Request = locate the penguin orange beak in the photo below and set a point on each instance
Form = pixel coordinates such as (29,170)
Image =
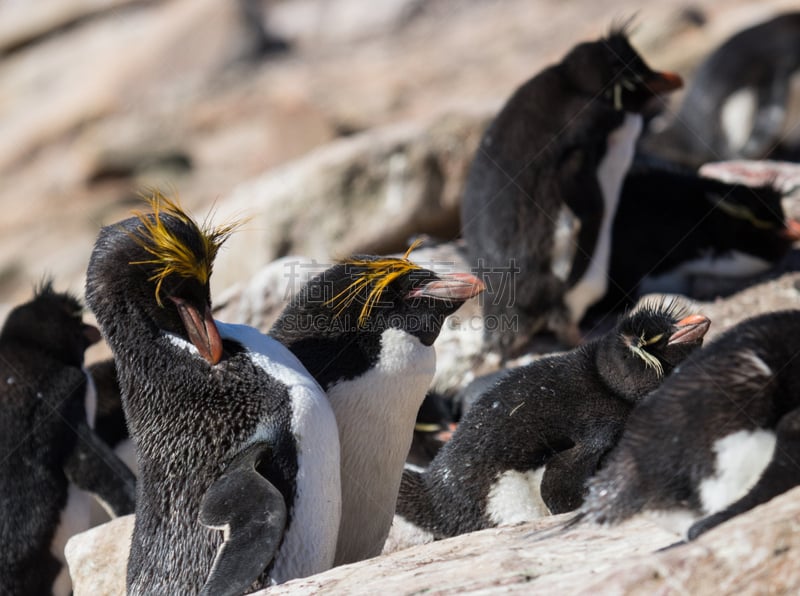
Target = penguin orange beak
(662,82)
(454,286)
(791,230)
(201,329)
(691,329)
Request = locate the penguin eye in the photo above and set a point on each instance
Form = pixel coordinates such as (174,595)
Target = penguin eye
(741,212)
(653,340)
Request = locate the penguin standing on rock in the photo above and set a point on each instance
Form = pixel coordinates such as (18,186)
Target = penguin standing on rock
(720,436)
(527,446)
(365,329)
(47,447)
(541,194)
(236,444)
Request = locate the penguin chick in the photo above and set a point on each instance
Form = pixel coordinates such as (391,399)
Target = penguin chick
(720,436)
(527,446)
(365,329)
(236,444)
(672,225)
(47,447)
(543,187)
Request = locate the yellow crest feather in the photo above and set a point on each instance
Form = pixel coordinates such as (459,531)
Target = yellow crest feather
(171,255)
(376,275)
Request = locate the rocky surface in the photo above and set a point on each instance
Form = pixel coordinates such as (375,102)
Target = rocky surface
(753,554)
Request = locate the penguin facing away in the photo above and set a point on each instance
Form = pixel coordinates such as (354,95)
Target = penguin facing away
(705,227)
(543,187)
(47,447)
(236,444)
(527,446)
(739,103)
(720,436)
(365,330)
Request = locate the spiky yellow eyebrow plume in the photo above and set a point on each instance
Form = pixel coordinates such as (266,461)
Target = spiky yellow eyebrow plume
(171,255)
(376,275)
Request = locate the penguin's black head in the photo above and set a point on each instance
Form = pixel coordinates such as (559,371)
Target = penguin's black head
(366,295)
(646,345)
(161,262)
(612,69)
(51,322)
(754,218)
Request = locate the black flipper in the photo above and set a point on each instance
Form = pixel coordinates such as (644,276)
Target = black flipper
(94,467)
(779,476)
(253,512)
(565,476)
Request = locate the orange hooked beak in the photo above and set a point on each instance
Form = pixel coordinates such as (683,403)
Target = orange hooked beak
(201,329)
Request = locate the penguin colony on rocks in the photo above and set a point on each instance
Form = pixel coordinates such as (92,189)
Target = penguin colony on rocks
(263,458)
(527,446)
(543,188)
(49,453)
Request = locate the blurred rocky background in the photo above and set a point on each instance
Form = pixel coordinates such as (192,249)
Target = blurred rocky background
(331,126)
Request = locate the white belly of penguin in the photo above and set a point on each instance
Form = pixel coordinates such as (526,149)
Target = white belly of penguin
(741,458)
(376,414)
(516,497)
(611,174)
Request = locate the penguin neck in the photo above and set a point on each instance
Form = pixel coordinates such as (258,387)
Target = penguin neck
(375,413)
(620,148)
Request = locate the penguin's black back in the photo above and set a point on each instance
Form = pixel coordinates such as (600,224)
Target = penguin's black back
(42,391)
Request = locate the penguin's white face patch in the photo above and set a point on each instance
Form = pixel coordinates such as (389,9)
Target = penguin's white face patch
(740,460)
(610,175)
(516,497)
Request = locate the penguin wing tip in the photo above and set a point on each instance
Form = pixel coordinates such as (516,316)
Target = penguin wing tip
(253,514)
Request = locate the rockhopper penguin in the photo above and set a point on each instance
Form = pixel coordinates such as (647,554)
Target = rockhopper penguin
(236,444)
(720,436)
(527,446)
(47,447)
(674,225)
(543,188)
(365,328)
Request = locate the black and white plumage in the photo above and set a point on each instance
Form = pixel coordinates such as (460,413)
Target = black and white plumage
(543,187)
(673,226)
(740,101)
(527,446)
(720,436)
(365,329)
(48,451)
(236,444)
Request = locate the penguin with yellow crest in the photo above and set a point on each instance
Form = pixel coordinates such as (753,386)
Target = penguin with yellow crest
(236,443)
(364,329)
